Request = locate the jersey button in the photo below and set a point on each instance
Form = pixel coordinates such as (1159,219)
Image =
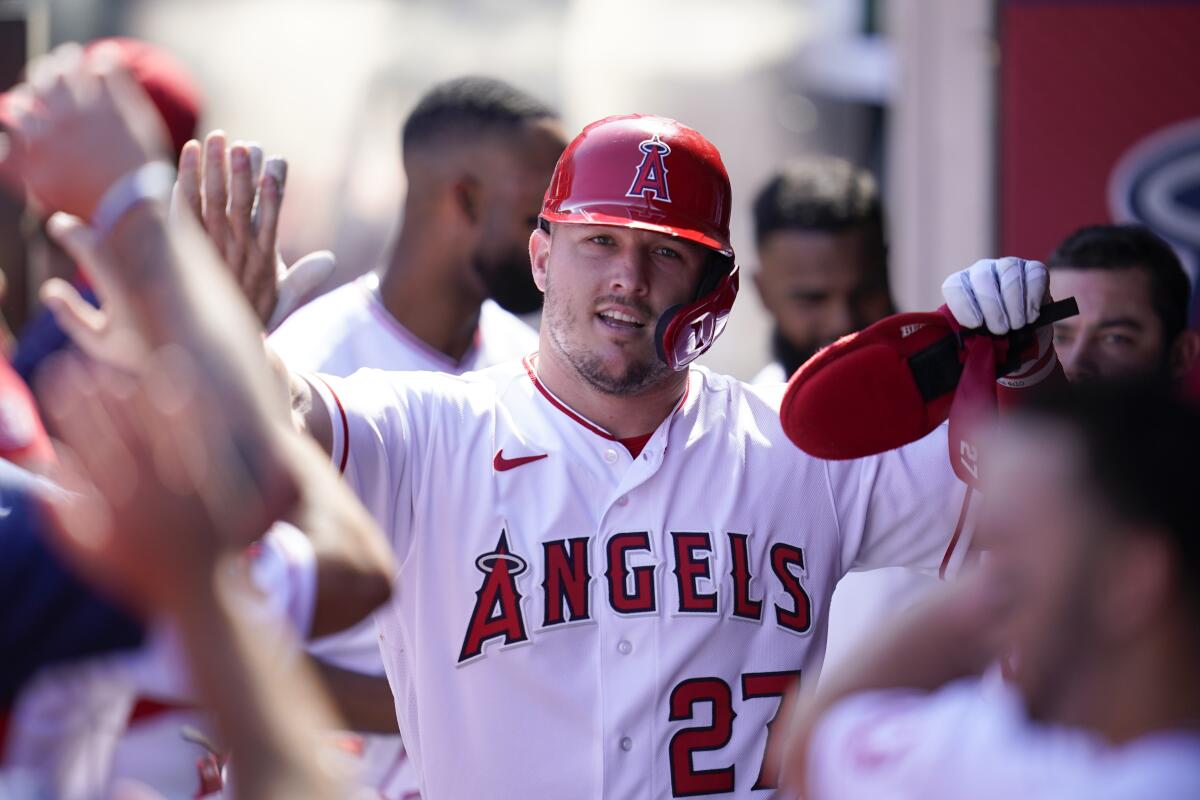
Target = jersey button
(610,456)
(626,743)
(623,500)
(624,647)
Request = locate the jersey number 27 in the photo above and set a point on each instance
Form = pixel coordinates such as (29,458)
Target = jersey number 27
(686,780)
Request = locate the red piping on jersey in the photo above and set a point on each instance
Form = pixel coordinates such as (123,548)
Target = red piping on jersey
(570,412)
(149,708)
(380,310)
(345,425)
(958,529)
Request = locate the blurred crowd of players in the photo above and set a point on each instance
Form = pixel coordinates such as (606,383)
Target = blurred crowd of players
(1092,570)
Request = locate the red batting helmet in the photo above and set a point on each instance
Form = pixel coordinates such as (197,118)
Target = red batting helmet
(655,174)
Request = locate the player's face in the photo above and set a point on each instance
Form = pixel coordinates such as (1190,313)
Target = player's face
(820,286)
(1117,333)
(515,192)
(606,288)
(1040,529)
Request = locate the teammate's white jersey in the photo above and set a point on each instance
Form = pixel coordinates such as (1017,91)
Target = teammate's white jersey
(76,726)
(973,739)
(572,620)
(349,329)
(338,334)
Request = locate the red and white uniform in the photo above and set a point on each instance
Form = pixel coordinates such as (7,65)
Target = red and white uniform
(575,619)
(863,600)
(337,334)
(973,739)
(81,726)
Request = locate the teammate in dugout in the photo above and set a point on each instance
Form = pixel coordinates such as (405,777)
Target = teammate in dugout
(612,564)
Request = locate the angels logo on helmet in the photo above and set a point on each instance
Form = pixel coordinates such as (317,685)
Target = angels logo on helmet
(650,178)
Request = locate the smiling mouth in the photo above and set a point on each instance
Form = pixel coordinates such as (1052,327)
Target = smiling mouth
(619,320)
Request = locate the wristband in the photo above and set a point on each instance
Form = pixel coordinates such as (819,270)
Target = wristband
(151,181)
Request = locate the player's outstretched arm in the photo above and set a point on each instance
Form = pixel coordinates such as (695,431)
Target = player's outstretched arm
(149,516)
(951,635)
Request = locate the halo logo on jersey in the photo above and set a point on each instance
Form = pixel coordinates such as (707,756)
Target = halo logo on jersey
(498,602)
(650,179)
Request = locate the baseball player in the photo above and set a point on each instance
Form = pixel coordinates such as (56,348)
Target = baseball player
(612,564)
(1089,585)
(429,309)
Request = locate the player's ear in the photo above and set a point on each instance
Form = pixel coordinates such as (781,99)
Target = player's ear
(467,191)
(762,292)
(539,255)
(1185,351)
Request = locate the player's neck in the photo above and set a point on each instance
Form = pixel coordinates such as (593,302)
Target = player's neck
(623,416)
(1142,689)
(413,290)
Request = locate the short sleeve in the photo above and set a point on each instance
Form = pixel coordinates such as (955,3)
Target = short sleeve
(970,738)
(379,431)
(903,508)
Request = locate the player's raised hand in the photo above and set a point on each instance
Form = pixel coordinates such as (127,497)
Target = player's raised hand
(104,334)
(237,198)
(158,486)
(1003,294)
(72,109)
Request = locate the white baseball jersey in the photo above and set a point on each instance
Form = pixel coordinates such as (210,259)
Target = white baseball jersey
(572,619)
(863,600)
(973,739)
(75,724)
(349,329)
(337,334)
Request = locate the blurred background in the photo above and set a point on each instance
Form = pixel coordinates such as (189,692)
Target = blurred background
(994,126)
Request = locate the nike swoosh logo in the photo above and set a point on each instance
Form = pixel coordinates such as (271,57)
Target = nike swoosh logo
(503,464)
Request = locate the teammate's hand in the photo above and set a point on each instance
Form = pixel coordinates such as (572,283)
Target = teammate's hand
(83,124)
(157,488)
(237,198)
(104,334)
(1003,294)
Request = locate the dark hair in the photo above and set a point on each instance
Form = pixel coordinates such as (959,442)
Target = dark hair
(1128,247)
(819,193)
(470,106)
(1140,444)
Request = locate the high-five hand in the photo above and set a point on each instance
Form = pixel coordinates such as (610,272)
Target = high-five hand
(237,198)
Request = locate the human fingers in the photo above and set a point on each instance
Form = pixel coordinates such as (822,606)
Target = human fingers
(215,196)
(241,193)
(270,201)
(186,194)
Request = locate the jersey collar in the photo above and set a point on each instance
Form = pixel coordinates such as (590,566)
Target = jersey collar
(530,362)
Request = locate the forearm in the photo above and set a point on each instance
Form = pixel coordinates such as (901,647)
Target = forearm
(950,636)
(365,702)
(354,562)
(269,708)
(178,294)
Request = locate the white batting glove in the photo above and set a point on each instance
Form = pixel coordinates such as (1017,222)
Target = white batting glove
(1003,294)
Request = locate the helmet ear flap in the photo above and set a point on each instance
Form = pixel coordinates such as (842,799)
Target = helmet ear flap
(660,333)
(684,332)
